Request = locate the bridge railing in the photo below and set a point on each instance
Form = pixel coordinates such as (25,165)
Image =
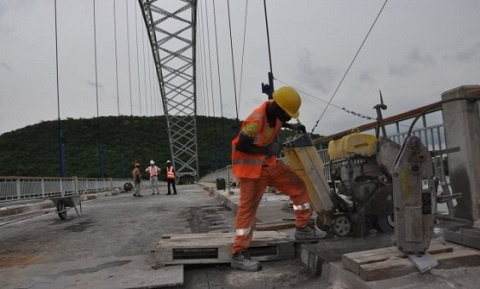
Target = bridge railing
(24,188)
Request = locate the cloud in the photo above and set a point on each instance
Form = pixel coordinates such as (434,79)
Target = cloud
(469,53)
(4,66)
(3,8)
(367,76)
(415,60)
(316,76)
(92,83)
(401,70)
(415,56)
(7,8)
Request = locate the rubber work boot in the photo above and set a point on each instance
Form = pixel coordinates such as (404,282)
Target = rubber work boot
(242,261)
(308,234)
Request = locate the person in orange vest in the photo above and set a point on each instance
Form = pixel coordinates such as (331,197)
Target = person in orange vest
(137,178)
(171,178)
(153,171)
(255,165)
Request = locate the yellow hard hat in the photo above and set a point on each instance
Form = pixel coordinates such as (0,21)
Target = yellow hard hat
(288,99)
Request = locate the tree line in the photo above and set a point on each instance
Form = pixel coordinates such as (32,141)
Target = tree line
(119,140)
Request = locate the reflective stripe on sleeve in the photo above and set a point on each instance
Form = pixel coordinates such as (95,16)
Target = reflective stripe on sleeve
(244,231)
(242,161)
(301,207)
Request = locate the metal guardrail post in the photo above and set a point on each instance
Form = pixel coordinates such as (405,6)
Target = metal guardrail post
(61,187)
(75,185)
(19,191)
(42,184)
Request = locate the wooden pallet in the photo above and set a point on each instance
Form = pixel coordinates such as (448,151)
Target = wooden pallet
(211,248)
(390,262)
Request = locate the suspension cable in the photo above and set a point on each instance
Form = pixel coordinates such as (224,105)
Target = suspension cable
(204,72)
(268,36)
(144,72)
(152,98)
(218,60)
(138,63)
(56,64)
(203,59)
(233,62)
(61,151)
(350,66)
(116,55)
(129,61)
(224,158)
(95,54)
(214,139)
(99,142)
(243,55)
(210,62)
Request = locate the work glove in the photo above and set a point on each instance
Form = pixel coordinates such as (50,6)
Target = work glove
(273,149)
(298,127)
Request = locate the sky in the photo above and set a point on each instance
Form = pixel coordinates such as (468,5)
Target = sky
(415,51)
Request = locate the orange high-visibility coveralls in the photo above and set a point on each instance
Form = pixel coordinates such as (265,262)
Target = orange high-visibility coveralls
(255,172)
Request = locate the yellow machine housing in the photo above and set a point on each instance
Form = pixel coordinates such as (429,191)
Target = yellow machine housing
(355,144)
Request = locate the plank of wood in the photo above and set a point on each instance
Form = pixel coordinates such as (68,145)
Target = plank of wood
(353,261)
(396,267)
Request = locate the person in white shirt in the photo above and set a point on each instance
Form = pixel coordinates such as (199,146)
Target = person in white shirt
(153,170)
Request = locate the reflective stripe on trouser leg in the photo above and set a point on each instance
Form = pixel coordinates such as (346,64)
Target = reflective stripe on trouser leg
(301,207)
(302,214)
(288,182)
(251,191)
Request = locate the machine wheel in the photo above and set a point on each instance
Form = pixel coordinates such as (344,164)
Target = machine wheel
(320,225)
(61,210)
(127,187)
(385,223)
(341,225)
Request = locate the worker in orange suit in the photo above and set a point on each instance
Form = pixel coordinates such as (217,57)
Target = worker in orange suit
(255,165)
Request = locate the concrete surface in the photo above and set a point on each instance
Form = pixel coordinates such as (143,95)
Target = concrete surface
(139,222)
(106,272)
(112,245)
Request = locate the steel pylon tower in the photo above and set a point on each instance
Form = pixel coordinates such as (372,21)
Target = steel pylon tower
(171,26)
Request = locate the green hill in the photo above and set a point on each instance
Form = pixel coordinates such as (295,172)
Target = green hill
(33,150)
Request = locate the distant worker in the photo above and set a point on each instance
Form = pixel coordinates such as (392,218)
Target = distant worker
(153,171)
(171,178)
(255,165)
(137,178)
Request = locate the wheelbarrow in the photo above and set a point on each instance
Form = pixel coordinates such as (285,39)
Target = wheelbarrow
(63,203)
